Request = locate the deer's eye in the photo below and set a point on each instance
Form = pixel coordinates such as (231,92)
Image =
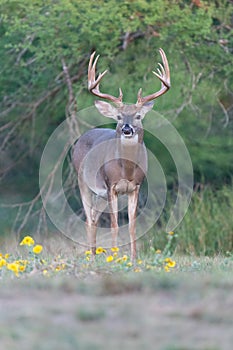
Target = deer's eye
(119,117)
(138,116)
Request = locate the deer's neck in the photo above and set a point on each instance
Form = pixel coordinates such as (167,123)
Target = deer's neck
(129,153)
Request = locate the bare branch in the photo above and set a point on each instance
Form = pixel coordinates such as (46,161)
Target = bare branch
(71,108)
(29,39)
(224,112)
(6,126)
(26,210)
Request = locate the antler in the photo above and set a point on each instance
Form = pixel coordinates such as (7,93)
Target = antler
(163,75)
(93,83)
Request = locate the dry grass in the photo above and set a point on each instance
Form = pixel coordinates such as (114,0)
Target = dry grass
(189,308)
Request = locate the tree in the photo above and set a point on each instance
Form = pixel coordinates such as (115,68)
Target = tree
(45,47)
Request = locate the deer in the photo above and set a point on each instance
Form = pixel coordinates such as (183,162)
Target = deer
(110,162)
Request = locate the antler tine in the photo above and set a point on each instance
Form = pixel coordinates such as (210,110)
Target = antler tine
(161,70)
(93,83)
(90,70)
(166,66)
(165,76)
(163,73)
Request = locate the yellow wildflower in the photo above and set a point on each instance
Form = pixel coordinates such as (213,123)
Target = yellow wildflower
(158,251)
(45,272)
(87,258)
(27,240)
(115,255)
(37,249)
(100,250)
(13,267)
(22,268)
(2,262)
(166,268)
(119,260)
(6,256)
(109,258)
(171,263)
(137,269)
(171,233)
(88,252)
(139,261)
(124,257)
(115,249)
(60,267)
(129,264)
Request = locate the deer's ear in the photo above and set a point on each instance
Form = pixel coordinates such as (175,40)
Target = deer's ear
(146,108)
(106,109)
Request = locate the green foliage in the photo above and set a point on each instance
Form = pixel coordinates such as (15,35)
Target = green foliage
(36,36)
(207,228)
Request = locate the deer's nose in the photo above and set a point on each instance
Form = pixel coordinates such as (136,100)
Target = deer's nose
(127,130)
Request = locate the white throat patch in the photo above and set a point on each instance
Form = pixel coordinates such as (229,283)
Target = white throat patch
(129,140)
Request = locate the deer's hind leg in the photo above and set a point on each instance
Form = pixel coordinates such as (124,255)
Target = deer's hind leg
(113,205)
(93,205)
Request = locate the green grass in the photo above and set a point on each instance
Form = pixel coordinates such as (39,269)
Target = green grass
(207,228)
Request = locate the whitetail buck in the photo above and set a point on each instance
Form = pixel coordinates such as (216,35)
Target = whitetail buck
(112,162)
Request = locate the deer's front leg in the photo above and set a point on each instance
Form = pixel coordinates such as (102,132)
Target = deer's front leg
(113,206)
(91,236)
(132,212)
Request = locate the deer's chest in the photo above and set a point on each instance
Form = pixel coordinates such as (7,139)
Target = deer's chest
(124,176)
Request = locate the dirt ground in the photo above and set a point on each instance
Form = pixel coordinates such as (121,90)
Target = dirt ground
(143,311)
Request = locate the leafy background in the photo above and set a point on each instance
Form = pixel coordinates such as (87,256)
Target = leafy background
(39,39)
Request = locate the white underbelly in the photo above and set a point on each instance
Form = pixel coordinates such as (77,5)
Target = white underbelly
(100,192)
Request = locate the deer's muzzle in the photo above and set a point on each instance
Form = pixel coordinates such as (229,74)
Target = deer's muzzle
(127,130)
